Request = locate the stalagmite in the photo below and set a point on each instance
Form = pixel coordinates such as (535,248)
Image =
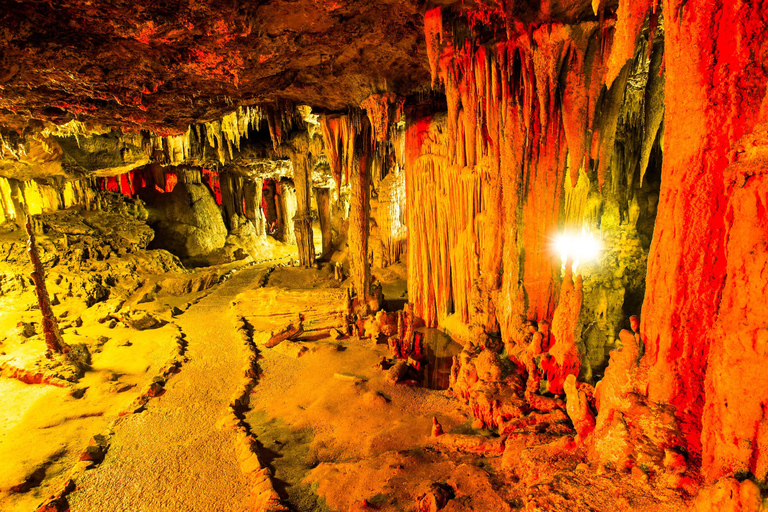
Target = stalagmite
(286,210)
(53,338)
(578,408)
(565,323)
(252,201)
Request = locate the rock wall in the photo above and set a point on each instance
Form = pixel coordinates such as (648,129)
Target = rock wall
(704,316)
(43,197)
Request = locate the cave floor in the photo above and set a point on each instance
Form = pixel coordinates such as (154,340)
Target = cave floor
(333,432)
(172,456)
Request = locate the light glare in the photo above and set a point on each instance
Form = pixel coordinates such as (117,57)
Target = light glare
(580,248)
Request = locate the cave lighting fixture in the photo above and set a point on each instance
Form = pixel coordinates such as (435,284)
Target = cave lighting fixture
(581,248)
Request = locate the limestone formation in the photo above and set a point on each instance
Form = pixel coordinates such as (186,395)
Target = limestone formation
(187,221)
(556,209)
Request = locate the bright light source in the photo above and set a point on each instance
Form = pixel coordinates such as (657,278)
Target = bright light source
(580,248)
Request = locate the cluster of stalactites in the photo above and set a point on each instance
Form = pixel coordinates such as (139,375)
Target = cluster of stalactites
(568,71)
(513,110)
(339,133)
(15,146)
(223,135)
(382,110)
(377,138)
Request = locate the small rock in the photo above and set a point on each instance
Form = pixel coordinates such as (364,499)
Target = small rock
(348,377)
(638,474)
(142,320)
(436,499)
(146,297)
(94,453)
(336,334)
(120,387)
(77,391)
(397,372)
(376,399)
(155,389)
(437,429)
(26,329)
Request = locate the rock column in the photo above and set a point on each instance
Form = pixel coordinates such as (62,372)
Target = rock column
(302,221)
(323,198)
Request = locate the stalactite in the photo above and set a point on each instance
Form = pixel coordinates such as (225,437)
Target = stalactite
(576,99)
(654,106)
(607,122)
(331,128)
(631,17)
(381,110)
(433,30)
(339,133)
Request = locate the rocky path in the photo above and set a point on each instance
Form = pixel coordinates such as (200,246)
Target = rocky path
(171,456)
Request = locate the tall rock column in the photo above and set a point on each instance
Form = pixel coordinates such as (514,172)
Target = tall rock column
(323,198)
(359,213)
(703,321)
(302,221)
(286,209)
(252,194)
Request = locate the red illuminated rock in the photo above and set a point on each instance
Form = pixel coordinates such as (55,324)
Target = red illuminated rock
(578,408)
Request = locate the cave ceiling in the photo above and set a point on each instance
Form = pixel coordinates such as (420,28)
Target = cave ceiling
(163,65)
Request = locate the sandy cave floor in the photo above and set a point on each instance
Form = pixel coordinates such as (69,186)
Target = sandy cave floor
(334,433)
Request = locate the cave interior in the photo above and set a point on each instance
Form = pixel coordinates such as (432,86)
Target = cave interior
(319,255)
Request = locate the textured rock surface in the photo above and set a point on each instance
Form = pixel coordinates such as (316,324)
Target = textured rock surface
(187,221)
(167,65)
(702,316)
